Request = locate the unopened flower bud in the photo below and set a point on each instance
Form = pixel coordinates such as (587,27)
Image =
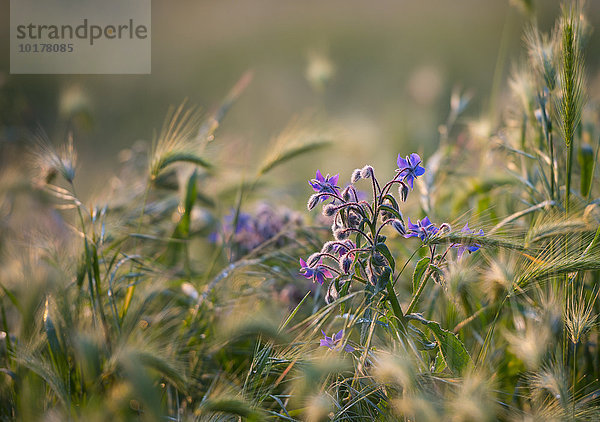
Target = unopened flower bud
(312,202)
(353,220)
(366,172)
(345,263)
(341,234)
(335,226)
(403,192)
(313,259)
(329,210)
(328,247)
(399,226)
(356,176)
(346,194)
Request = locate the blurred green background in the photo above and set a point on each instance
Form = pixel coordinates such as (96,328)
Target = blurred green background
(390,67)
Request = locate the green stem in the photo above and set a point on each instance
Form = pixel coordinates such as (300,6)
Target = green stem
(93,273)
(131,288)
(417,295)
(569,170)
(574,378)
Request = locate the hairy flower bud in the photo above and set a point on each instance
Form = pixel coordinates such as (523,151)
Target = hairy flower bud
(341,234)
(345,263)
(356,176)
(346,193)
(335,226)
(403,192)
(329,210)
(353,219)
(313,259)
(328,247)
(366,172)
(312,202)
(399,226)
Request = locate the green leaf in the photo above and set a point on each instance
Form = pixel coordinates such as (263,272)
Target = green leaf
(343,292)
(419,271)
(452,350)
(385,251)
(436,273)
(391,211)
(422,342)
(439,364)
(293,313)
(393,201)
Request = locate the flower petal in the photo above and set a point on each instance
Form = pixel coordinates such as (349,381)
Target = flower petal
(402,163)
(414,159)
(326,343)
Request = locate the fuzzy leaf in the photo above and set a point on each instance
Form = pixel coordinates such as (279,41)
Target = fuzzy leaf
(385,251)
(452,350)
(391,210)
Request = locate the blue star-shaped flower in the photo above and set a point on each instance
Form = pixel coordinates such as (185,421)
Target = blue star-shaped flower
(409,168)
(335,342)
(327,184)
(423,229)
(470,248)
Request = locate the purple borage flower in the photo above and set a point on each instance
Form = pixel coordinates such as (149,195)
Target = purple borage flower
(335,342)
(244,224)
(470,248)
(409,168)
(327,184)
(318,273)
(423,229)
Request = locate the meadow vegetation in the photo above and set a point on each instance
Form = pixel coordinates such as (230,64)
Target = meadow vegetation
(463,286)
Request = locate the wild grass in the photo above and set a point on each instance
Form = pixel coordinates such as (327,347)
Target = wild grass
(177,296)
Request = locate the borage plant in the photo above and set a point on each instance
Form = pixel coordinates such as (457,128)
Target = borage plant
(359,252)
